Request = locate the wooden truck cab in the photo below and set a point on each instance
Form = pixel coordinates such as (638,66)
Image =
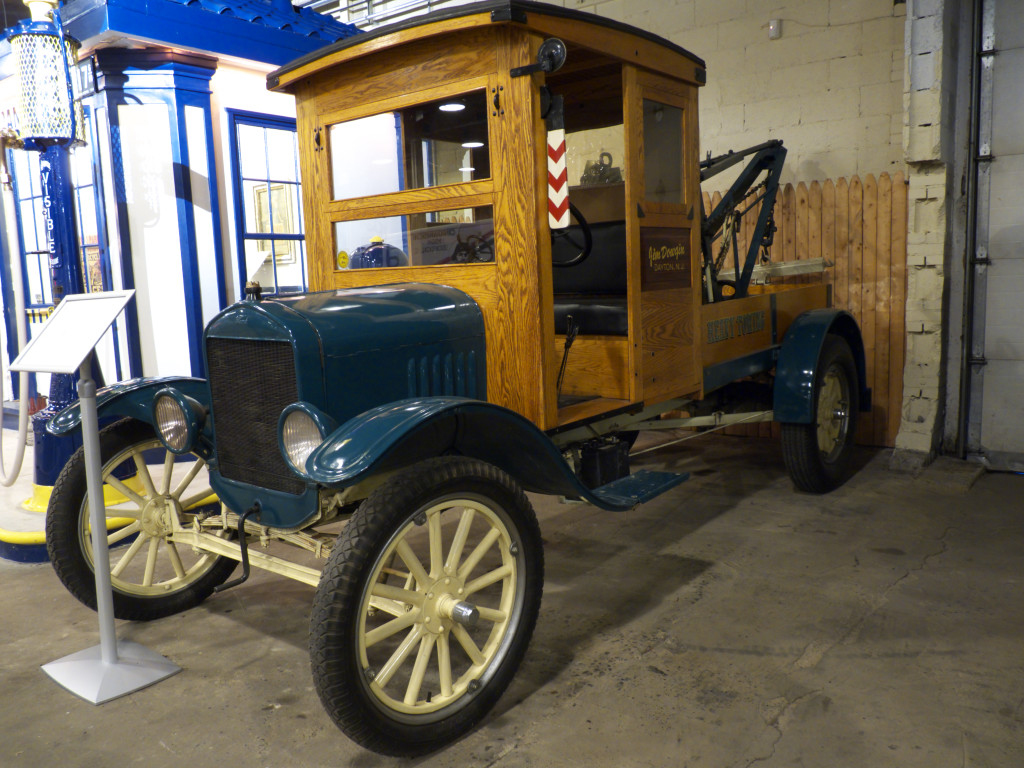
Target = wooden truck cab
(382,158)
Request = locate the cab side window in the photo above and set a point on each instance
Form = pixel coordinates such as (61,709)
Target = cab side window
(443,142)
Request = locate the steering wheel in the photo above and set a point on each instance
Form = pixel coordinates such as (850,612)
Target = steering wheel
(584,247)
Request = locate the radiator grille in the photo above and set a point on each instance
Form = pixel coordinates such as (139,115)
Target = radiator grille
(251,382)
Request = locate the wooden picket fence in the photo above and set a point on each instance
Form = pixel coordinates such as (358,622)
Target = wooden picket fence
(860,228)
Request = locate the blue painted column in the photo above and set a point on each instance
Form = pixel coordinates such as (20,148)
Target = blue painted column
(52,452)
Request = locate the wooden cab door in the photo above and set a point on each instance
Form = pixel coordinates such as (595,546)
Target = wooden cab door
(662,189)
(455,200)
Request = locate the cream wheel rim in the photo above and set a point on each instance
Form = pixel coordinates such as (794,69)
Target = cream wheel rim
(415,655)
(833,412)
(149,506)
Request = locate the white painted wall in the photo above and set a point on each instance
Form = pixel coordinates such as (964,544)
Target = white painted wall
(155,239)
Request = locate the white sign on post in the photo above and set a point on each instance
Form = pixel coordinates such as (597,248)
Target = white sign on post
(69,335)
(64,345)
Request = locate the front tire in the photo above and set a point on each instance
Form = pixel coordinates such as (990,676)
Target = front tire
(146,492)
(818,454)
(395,661)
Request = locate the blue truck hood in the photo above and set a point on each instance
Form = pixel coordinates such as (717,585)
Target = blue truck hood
(357,320)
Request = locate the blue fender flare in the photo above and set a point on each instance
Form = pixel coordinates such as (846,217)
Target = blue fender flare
(402,433)
(130,398)
(798,360)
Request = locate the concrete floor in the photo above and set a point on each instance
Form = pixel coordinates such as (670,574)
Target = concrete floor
(731,622)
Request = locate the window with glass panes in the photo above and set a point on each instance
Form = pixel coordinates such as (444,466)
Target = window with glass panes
(32,226)
(268,202)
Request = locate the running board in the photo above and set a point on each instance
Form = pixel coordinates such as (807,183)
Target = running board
(639,487)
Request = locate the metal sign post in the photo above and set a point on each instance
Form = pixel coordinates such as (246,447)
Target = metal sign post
(65,344)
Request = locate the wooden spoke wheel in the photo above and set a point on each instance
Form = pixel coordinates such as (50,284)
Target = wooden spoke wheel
(147,491)
(426,606)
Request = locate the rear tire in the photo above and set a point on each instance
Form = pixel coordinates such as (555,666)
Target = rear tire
(818,454)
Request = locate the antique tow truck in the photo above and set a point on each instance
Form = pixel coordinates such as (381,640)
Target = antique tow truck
(511,273)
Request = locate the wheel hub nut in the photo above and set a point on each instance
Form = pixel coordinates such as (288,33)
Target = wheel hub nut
(465,614)
(460,611)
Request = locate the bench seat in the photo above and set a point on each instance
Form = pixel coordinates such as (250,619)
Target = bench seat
(594,315)
(594,291)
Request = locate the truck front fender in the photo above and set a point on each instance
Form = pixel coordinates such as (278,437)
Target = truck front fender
(798,361)
(401,433)
(130,398)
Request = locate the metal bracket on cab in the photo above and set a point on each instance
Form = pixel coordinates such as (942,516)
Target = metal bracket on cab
(550,58)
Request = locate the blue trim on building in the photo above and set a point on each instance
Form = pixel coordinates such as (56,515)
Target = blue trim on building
(266,31)
(218,250)
(120,202)
(177,81)
(101,234)
(187,234)
(256,30)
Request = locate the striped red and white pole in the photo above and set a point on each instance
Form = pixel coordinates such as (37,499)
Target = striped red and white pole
(558,181)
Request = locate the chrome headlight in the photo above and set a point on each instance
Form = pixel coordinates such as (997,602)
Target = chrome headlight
(178,419)
(302,429)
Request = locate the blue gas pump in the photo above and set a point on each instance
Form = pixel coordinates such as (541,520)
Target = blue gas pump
(50,121)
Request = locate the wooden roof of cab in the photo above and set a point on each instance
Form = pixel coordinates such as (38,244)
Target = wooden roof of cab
(577,29)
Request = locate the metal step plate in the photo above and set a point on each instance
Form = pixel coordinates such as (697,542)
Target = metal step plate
(641,486)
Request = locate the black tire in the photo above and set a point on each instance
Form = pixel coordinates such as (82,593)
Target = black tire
(818,454)
(69,543)
(427,503)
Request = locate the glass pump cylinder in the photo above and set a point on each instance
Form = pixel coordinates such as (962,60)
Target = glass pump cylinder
(47,111)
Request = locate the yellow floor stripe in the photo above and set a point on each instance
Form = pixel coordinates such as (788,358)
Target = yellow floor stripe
(111,496)
(25,538)
(40,500)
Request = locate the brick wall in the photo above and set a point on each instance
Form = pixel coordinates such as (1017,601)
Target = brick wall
(831,86)
(928,87)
